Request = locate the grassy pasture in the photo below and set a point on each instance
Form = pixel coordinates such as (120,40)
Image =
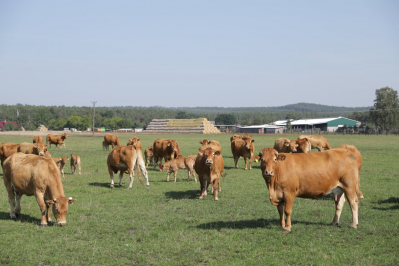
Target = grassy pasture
(166,224)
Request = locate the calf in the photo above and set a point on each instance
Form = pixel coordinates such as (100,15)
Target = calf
(179,163)
(243,147)
(105,146)
(60,162)
(75,161)
(149,156)
(209,166)
(28,174)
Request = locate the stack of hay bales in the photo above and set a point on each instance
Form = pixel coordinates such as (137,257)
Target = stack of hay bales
(200,125)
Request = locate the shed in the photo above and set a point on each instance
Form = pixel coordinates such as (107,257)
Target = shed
(330,124)
(261,129)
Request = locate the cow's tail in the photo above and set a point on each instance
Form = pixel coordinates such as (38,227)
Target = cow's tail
(140,162)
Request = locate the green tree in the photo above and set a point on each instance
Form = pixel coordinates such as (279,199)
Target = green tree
(10,127)
(78,122)
(385,113)
(57,124)
(225,119)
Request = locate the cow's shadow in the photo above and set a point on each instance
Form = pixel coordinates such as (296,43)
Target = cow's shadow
(177,195)
(107,185)
(391,200)
(245,224)
(21,218)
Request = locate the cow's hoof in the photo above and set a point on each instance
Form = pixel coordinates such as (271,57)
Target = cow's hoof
(17,214)
(201,198)
(112,186)
(120,185)
(216,199)
(129,187)
(49,221)
(13,217)
(43,225)
(148,186)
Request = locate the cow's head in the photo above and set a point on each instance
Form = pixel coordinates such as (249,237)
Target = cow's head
(204,142)
(40,149)
(173,144)
(135,141)
(269,158)
(210,154)
(293,145)
(64,136)
(248,142)
(60,208)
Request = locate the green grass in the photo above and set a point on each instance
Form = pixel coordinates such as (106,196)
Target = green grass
(166,224)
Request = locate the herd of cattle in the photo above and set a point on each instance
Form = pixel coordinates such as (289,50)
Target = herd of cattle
(289,170)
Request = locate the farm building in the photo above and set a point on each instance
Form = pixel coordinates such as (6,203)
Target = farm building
(200,125)
(331,124)
(261,129)
(3,123)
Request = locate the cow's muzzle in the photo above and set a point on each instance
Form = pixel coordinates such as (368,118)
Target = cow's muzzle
(268,173)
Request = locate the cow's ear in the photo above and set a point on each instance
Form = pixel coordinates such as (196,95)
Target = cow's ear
(260,154)
(253,140)
(217,153)
(200,142)
(71,200)
(281,157)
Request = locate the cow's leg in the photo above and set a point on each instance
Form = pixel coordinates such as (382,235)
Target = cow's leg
(111,175)
(215,188)
(120,178)
(167,178)
(354,204)
(339,205)
(236,160)
(280,208)
(48,217)
(250,162)
(42,206)
(141,164)
(189,174)
(72,171)
(155,161)
(203,187)
(175,173)
(11,199)
(62,172)
(287,210)
(245,160)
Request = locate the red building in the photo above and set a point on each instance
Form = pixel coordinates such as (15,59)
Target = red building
(3,123)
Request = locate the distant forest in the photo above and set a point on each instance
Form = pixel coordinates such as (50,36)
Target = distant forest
(59,117)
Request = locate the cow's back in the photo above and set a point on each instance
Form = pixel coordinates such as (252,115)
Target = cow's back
(38,139)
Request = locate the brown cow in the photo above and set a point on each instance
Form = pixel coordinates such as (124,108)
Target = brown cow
(105,146)
(75,161)
(243,147)
(179,163)
(38,139)
(300,145)
(28,174)
(209,166)
(29,148)
(282,145)
(111,140)
(6,150)
(311,175)
(56,139)
(60,162)
(135,141)
(149,156)
(317,142)
(165,149)
(124,158)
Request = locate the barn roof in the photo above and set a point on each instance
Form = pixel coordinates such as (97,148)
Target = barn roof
(3,123)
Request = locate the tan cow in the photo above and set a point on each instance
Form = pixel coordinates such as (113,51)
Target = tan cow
(125,158)
(282,145)
(311,175)
(300,145)
(60,162)
(135,141)
(149,156)
(75,161)
(29,148)
(38,139)
(105,146)
(56,139)
(6,150)
(165,149)
(209,166)
(317,142)
(111,140)
(29,174)
(179,163)
(243,147)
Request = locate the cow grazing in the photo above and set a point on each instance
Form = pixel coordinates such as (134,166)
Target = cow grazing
(111,140)
(125,158)
(75,161)
(300,145)
(56,139)
(149,156)
(317,142)
(6,150)
(38,139)
(29,148)
(105,146)
(282,145)
(209,166)
(165,149)
(179,163)
(60,162)
(28,174)
(311,175)
(243,147)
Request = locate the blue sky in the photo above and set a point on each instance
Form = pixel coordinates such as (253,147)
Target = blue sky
(197,53)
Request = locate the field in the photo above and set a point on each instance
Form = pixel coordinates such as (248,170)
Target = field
(167,224)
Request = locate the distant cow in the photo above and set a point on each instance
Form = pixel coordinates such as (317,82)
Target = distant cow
(210,142)
(38,139)
(135,141)
(29,148)
(125,158)
(209,166)
(111,140)
(149,156)
(6,150)
(317,142)
(243,147)
(179,163)
(28,174)
(105,146)
(56,139)
(60,162)
(300,145)
(282,145)
(311,175)
(165,149)
(75,161)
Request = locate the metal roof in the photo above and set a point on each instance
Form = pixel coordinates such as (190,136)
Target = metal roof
(310,121)
(262,126)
